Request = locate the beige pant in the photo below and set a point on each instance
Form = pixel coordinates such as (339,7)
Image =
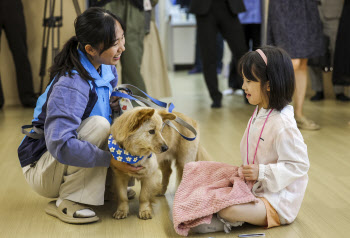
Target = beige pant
(52,179)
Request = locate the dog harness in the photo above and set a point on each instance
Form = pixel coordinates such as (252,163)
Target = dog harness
(121,154)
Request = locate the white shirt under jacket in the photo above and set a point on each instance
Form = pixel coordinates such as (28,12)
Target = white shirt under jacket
(282,158)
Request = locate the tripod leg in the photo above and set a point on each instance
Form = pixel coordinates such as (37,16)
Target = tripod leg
(46,36)
(2,100)
(77,8)
(55,49)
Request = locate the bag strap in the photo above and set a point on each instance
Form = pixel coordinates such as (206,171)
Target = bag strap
(35,133)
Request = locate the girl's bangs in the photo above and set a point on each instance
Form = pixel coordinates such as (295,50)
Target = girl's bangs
(247,67)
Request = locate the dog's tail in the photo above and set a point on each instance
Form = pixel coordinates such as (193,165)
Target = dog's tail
(202,154)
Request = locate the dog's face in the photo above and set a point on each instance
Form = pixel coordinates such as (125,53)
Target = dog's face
(139,130)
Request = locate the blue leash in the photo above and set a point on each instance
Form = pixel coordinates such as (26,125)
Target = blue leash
(154,103)
(135,98)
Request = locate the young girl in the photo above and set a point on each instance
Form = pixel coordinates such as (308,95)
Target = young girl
(273,151)
(67,155)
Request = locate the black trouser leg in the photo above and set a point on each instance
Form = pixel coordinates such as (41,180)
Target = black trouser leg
(251,32)
(234,77)
(232,31)
(220,49)
(2,101)
(207,31)
(197,61)
(220,53)
(15,29)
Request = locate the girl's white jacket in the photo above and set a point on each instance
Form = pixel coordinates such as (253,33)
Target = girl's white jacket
(282,158)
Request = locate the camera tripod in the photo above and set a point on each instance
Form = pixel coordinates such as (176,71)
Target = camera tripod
(50,24)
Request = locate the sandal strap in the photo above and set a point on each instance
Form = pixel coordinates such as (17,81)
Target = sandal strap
(305,123)
(71,207)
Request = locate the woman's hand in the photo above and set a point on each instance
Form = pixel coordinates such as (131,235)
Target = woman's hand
(114,102)
(124,167)
(251,172)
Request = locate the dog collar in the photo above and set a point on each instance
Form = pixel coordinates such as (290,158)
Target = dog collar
(121,154)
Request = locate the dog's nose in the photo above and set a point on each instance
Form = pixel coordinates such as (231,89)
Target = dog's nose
(164,148)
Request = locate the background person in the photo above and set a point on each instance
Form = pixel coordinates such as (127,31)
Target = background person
(132,13)
(215,16)
(251,23)
(13,22)
(295,26)
(341,73)
(330,11)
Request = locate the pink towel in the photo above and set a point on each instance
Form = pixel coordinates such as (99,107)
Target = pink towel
(206,188)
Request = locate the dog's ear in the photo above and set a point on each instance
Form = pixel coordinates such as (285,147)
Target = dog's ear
(140,117)
(167,115)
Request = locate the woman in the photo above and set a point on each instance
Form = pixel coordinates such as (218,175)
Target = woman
(67,155)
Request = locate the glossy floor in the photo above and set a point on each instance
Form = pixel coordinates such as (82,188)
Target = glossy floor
(325,211)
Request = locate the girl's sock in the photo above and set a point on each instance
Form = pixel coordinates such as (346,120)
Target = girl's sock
(214,226)
(85,213)
(229,225)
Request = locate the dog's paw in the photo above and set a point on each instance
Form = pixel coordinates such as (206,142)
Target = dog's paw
(145,214)
(120,214)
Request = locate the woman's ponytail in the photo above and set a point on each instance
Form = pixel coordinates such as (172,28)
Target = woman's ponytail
(94,27)
(67,60)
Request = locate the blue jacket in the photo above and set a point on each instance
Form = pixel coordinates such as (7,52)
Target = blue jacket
(252,15)
(60,110)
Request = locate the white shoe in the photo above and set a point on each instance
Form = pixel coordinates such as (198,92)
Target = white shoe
(228,91)
(239,92)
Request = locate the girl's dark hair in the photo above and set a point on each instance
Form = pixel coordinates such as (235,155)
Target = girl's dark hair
(95,26)
(278,72)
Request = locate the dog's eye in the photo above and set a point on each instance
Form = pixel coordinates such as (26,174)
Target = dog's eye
(152,132)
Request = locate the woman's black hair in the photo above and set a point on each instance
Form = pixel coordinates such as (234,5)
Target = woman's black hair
(96,27)
(278,72)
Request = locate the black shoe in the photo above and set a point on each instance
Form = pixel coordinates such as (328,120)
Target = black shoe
(195,70)
(29,102)
(342,97)
(318,96)
(216,104)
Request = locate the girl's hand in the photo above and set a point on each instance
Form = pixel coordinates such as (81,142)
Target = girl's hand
(124,167)
(251,172)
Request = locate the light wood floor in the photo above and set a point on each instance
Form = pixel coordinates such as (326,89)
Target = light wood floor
(325,211)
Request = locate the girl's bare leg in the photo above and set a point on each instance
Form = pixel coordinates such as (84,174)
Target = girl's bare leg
(253,213)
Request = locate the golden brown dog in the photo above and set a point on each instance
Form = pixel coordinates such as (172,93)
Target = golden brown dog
(139,132)
(180,151)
